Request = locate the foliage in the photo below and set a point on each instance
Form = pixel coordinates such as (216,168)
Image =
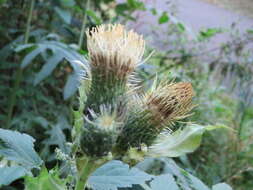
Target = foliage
(18,147)
(46,180)
(50,63)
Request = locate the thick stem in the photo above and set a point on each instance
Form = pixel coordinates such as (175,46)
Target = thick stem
(19,73)
(88,166)
(80,42)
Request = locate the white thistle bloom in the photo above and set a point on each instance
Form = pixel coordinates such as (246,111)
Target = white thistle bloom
(113,47)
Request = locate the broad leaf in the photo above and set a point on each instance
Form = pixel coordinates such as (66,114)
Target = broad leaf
(19,148)
(10,174)
(48,68)
(196,183)
(72,85)
(116,174)
(180,142)
(164,166)
(221,186)
(46,181)
(30,56)
(60,51)
(56,138)
(164,182)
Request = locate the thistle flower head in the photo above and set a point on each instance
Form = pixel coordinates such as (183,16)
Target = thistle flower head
(115,49)
(100,132)
(107,119)
(170,102)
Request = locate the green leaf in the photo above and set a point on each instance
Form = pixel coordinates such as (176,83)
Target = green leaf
(23,46)
(166,166)
(56,136)
(163,18)
(180,142)
(10,174)
(48,68)
(196,183)
(67,3)
(30,56)
(153,11)
(19,148)
(164,182)
(135,5)
(46,181)
(93,15)
(60,51)
(181,27)
(208,33)
(63,14)
(250,31)
(9,48)
(116,174)
(221,186)
(72,85)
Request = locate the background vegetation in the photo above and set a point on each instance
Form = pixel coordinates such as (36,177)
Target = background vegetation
(38,80)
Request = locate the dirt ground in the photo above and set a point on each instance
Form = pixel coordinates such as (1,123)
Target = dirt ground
(243,7)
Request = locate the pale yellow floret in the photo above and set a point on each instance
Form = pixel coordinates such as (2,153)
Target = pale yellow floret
(112,45)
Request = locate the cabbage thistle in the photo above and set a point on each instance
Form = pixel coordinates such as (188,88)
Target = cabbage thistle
(119,122)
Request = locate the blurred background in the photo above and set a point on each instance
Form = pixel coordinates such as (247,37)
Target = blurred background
(206,42)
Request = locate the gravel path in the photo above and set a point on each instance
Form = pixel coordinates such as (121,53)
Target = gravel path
(195,14)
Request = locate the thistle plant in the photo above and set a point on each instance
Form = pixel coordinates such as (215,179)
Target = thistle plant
(120,123)
(115,121)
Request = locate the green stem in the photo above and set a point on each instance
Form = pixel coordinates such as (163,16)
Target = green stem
(19,73)
(88,167)
(80,42)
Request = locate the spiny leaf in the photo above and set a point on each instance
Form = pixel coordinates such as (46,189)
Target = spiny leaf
(10,174)
(180,142)
(221,186)
(46,181)
(115,174)
(56,137)
(164,182)
(19,148)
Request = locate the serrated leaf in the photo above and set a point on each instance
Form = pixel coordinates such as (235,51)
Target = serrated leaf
(48,68)
(164,182)
(46,181)
(56,134)
(19,148)
(116,174)
(221,186)
(180,142)
(161,166)
(10,174)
